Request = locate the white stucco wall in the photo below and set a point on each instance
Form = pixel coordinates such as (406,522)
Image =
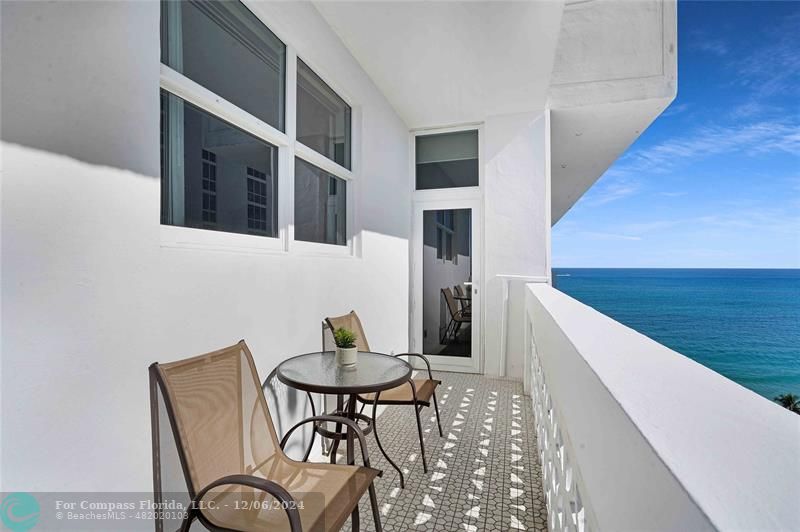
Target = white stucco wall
(90,293)
(516,229)
(654,440)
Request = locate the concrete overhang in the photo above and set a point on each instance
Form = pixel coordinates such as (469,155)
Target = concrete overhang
(615,72)
(605,68)
(446,63)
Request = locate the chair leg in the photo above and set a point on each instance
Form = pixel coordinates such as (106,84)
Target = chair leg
(438,421)
(355,519)
(373,501)
(378,440)
(419,427)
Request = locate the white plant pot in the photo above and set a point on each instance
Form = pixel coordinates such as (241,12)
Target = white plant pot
(346,356)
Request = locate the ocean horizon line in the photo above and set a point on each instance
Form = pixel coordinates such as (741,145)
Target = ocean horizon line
(672,268)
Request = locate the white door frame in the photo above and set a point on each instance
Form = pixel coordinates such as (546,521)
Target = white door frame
(449,199)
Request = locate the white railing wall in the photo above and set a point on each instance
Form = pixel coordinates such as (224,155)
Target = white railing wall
(634,436)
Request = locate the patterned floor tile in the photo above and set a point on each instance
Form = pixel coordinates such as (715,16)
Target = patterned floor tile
(483,475)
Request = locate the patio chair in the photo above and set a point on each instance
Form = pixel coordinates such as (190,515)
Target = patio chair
(465,303)
(457,316)
(418,393)
(230,454)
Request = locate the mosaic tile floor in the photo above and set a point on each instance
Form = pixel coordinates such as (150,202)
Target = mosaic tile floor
(483,475)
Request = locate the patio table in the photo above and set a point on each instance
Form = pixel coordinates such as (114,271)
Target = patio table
(319,373)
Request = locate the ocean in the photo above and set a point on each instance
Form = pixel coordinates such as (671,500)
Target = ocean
(744,324)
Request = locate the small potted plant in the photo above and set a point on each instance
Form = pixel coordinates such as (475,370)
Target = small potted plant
(346,350)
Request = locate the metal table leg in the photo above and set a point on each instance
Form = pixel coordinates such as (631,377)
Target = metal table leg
(351,411)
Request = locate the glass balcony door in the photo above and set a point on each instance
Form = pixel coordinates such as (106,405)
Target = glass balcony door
(446,291)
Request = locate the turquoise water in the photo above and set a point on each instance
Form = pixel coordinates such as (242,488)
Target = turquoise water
(744,324)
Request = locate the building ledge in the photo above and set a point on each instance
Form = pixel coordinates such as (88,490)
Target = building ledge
(654,439)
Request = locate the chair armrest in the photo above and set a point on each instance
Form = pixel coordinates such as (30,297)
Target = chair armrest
(334,419)
(276,490)
(424,359)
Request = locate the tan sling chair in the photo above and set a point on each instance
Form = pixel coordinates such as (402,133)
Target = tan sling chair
(457,317)
(417,392)
(236,472)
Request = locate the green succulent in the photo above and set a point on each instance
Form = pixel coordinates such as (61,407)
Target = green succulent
(344,338)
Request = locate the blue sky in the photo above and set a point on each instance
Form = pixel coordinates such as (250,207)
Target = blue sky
(715,180)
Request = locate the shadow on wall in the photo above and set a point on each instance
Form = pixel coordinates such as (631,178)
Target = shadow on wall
(90,95)
(94,96)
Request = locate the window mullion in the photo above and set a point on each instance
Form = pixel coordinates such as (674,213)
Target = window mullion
(287,154)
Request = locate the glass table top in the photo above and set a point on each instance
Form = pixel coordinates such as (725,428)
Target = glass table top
(318,372)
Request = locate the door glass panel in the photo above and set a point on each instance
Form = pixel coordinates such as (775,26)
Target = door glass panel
(447,282)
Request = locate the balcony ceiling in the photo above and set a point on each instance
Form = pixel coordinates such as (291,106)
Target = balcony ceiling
(443,63)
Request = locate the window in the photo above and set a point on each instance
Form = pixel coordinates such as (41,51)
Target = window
(323,118)
(447,160)
(258,221)
(320,201)
(226,49)
(209,213)
(215,176)
(445,228)
(221,174)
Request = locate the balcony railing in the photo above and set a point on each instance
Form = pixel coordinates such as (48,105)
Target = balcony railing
(634,436)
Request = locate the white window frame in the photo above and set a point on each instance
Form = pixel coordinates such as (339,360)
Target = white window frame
(448,198)
(434,194)
(176,83)
(312,156)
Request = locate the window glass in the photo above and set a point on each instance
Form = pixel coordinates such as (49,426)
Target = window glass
(320,205)
(225,48)
(213,175)
(323,118)
(447,160)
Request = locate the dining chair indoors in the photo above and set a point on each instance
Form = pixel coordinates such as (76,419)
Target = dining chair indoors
(212,406)
(463,300)
(457,316)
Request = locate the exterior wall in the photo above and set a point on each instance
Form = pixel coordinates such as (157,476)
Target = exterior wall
(516,230)
(91,291)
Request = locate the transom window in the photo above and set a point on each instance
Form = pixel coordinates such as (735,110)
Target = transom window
(447,160)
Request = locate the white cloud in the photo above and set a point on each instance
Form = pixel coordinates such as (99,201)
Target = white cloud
(753,139)
(675,109)
(713,46)
(607,236)
(774,67)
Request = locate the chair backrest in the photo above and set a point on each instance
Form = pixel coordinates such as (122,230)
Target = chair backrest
(218,415)
(350,322)
(451,302)
(459,290)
